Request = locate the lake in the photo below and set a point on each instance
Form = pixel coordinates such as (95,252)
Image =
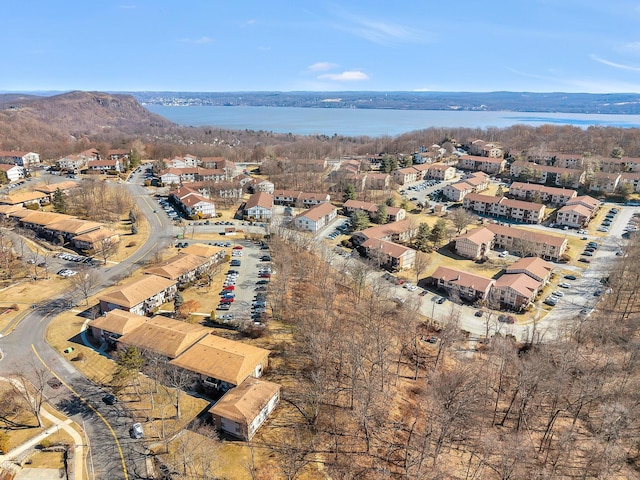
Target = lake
(373,123)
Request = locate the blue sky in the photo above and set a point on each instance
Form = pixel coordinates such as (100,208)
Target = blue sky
(376,45)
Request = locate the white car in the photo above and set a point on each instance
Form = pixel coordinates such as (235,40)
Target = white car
(558,293)
(411,288)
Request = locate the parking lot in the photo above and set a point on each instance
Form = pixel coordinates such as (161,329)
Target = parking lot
(243,297)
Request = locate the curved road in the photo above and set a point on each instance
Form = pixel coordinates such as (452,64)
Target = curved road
(113,454)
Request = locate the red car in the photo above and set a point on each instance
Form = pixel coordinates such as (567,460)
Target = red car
(265,275)
(229,288)
(226,300)
(238,247)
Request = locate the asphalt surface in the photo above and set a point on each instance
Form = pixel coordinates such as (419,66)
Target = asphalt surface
(114,455)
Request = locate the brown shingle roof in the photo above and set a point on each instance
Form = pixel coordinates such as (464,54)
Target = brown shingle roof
(118,321)
(462,279)
(137,291)
(176,266)
(223,359)
(245,402)
(165,336)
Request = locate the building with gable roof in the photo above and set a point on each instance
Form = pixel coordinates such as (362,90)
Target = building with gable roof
(222,363)
(13,172)
(316,218)
(141,296)
(259,206)
(242,410)
(465,285)
(165,336)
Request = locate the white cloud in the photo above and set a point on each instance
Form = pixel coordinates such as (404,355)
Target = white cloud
(380,32)
(631,47)
(249,23)
(197,41)
(622,66)
(348,76)
(322,66)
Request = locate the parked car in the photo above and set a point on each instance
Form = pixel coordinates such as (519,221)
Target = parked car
(441,300)
(584,260)
(570,277)
(224,306)
(558,293)
(136,431)
(479,313)
(109,399)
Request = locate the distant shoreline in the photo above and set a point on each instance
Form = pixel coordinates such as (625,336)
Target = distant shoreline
(371,122)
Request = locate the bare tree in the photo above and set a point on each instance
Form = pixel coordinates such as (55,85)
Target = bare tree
(85,282)
(421,264)
(31,390)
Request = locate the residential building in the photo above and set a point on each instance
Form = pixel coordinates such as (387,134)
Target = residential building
(104,165)
(535,267)
(403,176)
(398,232)
(474,183)
(575,216)
(72,163)
(222,363)
(20,158)
(182,268)
(13,172)
(527,242)
(604,182)
(490,165)
(94,240)
(466,286)
(188,161)
(516,210)
(633,179)
(296,198)
(516,290)
(532,172)
(193,203)
(394,214)
(25,198)
(50,189)
(119,154)
(541,193)
(261,185)
(377,181)
(475,244)
(242,410)
(141,296)
(164,336)
(389,255)
(259,206)
(442,172)
(578,211)
(316,217)
(113,324)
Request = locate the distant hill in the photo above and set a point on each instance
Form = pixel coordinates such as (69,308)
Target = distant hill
(609,103)
(28,121)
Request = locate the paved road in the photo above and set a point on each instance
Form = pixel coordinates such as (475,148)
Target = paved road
(114,454)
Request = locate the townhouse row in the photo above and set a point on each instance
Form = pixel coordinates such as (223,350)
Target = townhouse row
(517,288)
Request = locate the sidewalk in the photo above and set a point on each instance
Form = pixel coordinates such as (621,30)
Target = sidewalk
(78,457)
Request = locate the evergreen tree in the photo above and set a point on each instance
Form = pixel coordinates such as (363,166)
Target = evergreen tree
(438,232)
(135,159)
(390,202)
(421,241)
(359,220)
(381,214)
(59,201)
(349,192)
